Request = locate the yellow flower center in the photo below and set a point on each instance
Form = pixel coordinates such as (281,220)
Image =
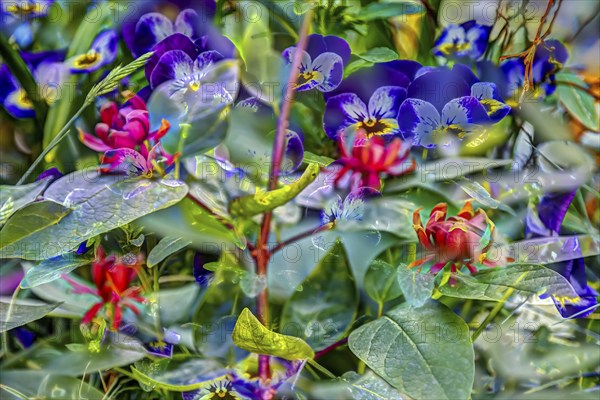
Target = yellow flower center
(87,59)
(24,8)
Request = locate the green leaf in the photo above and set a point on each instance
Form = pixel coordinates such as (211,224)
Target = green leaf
(576,100)
(379,54)
(41,385)
(53,268)
(261,202)
(21,314)
(13,198)
(249,334)
(182,377)
(424,352)
(324,321)
(369,387)
(381,283)
(355,66)
(167,246)
(389,9)
(416,286)
(479,193)
(492,284)
(118,350)
(91,204)
(454,167)
(321,161)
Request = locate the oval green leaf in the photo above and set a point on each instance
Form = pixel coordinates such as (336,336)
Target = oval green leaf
(424,352)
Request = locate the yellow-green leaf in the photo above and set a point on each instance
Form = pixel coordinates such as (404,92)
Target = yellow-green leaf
(249,334)
(251,205)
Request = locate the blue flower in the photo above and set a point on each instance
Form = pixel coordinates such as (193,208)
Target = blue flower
(465,41)
(15,12)
(368,99)
(322,63)
(103,51)
(49,73)
(509,76)
(546,220)
(445,104)
(151,28)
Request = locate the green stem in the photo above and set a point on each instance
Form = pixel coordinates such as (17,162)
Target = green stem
(492,314)
(61,135)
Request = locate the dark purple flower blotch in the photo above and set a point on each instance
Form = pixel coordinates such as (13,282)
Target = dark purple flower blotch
(103,51)
(322,63)
(467,40)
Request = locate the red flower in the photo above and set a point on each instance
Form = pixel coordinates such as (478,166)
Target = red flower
(112,279)
(458,241)
(370,159)
(124,135)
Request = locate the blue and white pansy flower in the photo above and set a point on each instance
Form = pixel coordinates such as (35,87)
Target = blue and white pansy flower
(17,18)
(103,51)
(429,127)
(465,41)
(48,72)
(369,100)
(322,63)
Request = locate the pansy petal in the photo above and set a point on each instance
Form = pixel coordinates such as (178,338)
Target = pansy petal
(331,67)
(463,111)
(294,153)
(187,23)
(478,37)
(438,88)
(305,61)
(417,119)
(386,101)
(341,112)
(106,44)
(318,44)
(8,83)
(175,64)
(150,30)
(488,96)
(366,81)
(553,208)
(176,41)
(124,161)
(449,40)
(18,104)
(206,59)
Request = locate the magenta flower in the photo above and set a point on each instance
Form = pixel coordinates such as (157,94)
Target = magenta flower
(124,136)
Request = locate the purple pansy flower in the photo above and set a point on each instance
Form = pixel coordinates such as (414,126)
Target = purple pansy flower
(322,63)
(141,35)
(16,16)
(368,99)
(239,383)
(49,73)
(467,40)
(103,51)
(546,220)
(509,76)
(443,104)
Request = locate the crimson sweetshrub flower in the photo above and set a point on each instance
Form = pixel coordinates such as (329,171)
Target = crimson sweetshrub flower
(458,241)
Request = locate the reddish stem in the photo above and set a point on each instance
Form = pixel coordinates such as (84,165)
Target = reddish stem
(330,348)
(262,253)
